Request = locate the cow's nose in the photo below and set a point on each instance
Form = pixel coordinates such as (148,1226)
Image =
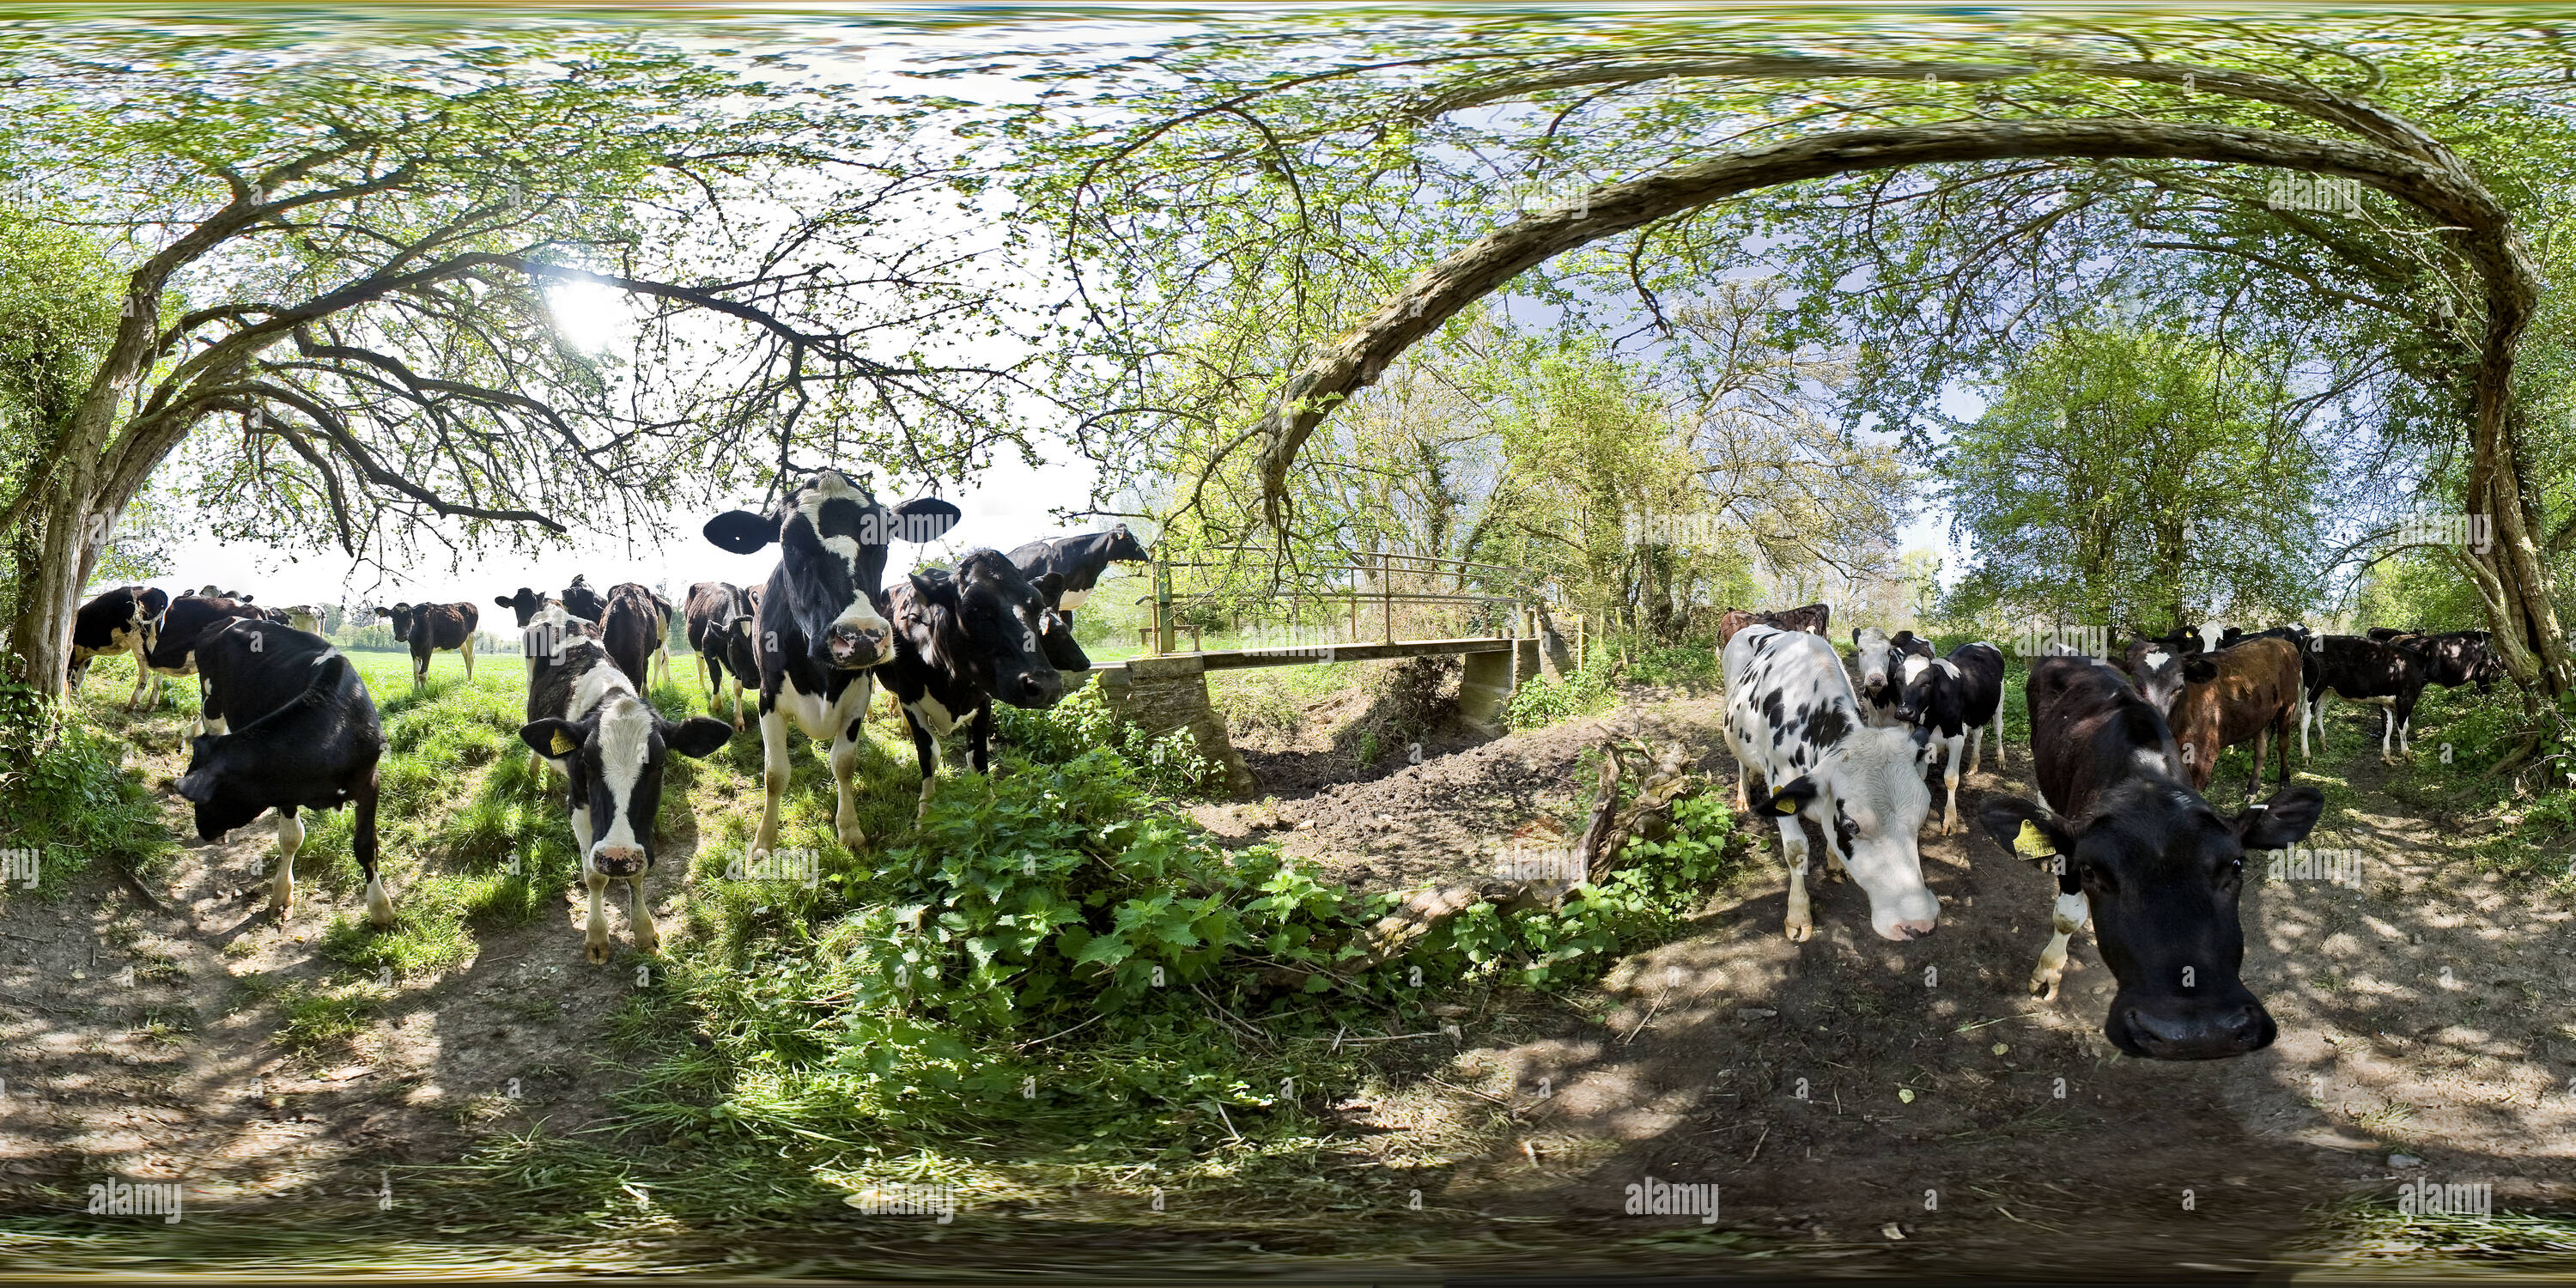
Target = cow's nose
(618,860)
(853,647)
(1037,690)
(2200,1033)
(1904,930)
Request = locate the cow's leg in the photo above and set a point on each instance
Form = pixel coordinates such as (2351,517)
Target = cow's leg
(2303,699)
(380,908)
(2064,920)
(1953,743)
(648,937)
(925,749)
(142,679)
(845,768)
(773,777)
(1999,737)
(2387,731)
(467,648)
(1800,924)
(419,669)
(594,928)
(210,711)
(979,738)
(2262,743)
(290,838)
(737,704)
(1976,746)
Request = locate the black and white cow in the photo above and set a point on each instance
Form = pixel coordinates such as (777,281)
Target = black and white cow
(2451,658)
(965,638)
(2390,675)
(1077,563)
(429,628)
(719,626)
(2145,859)
(583,602)
(122,620)
(1792,717)
(190,619)
(818,628)
(586,719)
(289,726)
(1878,656)
(1955,697)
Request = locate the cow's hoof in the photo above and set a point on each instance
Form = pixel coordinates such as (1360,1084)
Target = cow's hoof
(380,909)
(2043,985)
(596,951)
(1800,932)
(853,840)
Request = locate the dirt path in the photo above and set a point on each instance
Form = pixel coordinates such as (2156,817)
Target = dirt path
(185,1074)
(1910,1104)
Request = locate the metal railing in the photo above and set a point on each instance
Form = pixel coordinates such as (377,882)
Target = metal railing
(1367,582)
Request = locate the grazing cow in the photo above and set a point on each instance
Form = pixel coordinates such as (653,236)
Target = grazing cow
(1950,697)
(583,602)
(2247,692)
(633,627)
(587,720)
(719,627)
(1814,619)
(190,619)
(429,628)
(289,726)
(817,622)
(2141,855)
(1077,563)
(122,620)
(1791,716)
(966,637)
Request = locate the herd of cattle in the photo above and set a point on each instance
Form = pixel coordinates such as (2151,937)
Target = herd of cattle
(287,723)
(2122,752)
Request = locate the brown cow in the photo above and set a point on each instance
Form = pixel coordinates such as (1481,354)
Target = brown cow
(1813,619)
(2213,701)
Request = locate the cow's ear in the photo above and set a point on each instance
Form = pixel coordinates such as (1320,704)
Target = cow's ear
(505,601)
(739,531)
(697,737)
(551,737)
(2198,669)
(925,519)
(2024,830)
(1792,797)
(2281,822)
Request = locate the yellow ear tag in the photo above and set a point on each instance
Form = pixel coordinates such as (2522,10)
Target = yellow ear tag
(2031,842)
(1784,805)
(563,745)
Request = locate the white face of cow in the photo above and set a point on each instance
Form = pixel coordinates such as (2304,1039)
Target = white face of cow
(833,537)
(1880,802)
(1872,651)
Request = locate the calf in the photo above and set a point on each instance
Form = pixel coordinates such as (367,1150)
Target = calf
(586,719)
(122,620)
(1814,619)
(2248,692)
(719,628)
(1949,697)
(965,638)
(289,726)
(1792,717)
(817,625)
(190,620)
(633,627)
(1077,563)
(2141,855)
(429,628)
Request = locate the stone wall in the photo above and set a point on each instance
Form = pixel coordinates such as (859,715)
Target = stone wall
(1161,694)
